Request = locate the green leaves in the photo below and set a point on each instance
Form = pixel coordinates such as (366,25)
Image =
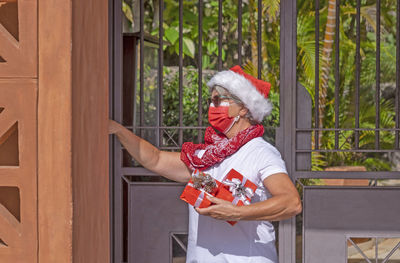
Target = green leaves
(171,35)
(126,9)
(206,61)
(188,47)
(212,47)
(189,101)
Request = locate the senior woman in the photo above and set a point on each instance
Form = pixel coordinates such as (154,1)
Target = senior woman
(238,104)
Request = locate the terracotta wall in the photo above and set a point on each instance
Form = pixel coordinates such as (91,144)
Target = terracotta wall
(89,131)
(18,131)
(53,131)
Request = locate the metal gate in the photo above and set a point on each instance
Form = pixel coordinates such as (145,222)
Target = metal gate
(332,122)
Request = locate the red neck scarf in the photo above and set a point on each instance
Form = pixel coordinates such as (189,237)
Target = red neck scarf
(217,147)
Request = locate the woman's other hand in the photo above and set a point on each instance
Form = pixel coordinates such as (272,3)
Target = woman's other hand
(221,210)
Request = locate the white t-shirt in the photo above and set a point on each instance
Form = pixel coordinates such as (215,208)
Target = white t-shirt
(214,241)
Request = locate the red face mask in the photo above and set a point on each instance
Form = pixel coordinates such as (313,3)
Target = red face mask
(219,118)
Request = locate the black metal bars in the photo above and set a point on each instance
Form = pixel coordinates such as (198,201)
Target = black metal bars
(347,175)
(360,130)
(219,35)
(347,129)
(180,139)
(141,119)
(240,32)
(316,95)
(358,70)
(378,72)
(397,93)
(160,69)
(259,42)
(337,72)
(348,151)
(200,74)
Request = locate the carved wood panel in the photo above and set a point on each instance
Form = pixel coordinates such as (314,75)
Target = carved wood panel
(18,170)
(18,38)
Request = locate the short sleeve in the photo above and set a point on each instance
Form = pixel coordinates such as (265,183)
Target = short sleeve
(272,164)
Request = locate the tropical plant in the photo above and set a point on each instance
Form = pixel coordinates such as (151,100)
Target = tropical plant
(306,73)
(270,67)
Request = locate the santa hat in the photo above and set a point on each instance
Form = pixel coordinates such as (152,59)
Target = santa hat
(251,91)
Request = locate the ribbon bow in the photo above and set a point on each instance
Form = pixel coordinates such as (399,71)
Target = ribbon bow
(203,181)
(239,190)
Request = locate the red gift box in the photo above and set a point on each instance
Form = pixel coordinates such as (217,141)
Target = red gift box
(201,185)
(198,187)
(240,187)
(232,189)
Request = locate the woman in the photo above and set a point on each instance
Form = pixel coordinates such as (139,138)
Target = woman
(237,106)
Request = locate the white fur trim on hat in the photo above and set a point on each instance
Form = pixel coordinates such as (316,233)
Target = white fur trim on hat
(236,84)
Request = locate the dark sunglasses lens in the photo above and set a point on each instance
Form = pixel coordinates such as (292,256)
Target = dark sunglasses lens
(215,101)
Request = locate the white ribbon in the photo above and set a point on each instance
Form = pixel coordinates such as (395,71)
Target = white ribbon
(239,191)
(200,198)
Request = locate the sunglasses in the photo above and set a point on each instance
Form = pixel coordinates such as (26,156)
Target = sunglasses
(216,100)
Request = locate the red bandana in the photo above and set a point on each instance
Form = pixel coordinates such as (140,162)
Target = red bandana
(217,147)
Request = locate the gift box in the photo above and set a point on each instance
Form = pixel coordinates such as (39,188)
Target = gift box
(235,188)
(241,189)
(198,187)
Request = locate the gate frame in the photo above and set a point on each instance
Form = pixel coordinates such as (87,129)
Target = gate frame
(288,80)
(288,13)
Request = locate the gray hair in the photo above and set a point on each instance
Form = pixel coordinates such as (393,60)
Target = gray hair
(225,92)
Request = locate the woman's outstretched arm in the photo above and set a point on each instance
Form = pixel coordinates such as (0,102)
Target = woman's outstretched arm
(167,164)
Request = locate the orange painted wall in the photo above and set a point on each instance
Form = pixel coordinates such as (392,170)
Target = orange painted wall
(18,131)
(54,199)
(54,132)
(90,131)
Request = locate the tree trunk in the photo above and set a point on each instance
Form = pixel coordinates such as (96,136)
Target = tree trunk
(253,34)
(326,59)
(326,64)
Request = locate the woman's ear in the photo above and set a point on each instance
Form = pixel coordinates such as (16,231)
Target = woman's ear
(243,111)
